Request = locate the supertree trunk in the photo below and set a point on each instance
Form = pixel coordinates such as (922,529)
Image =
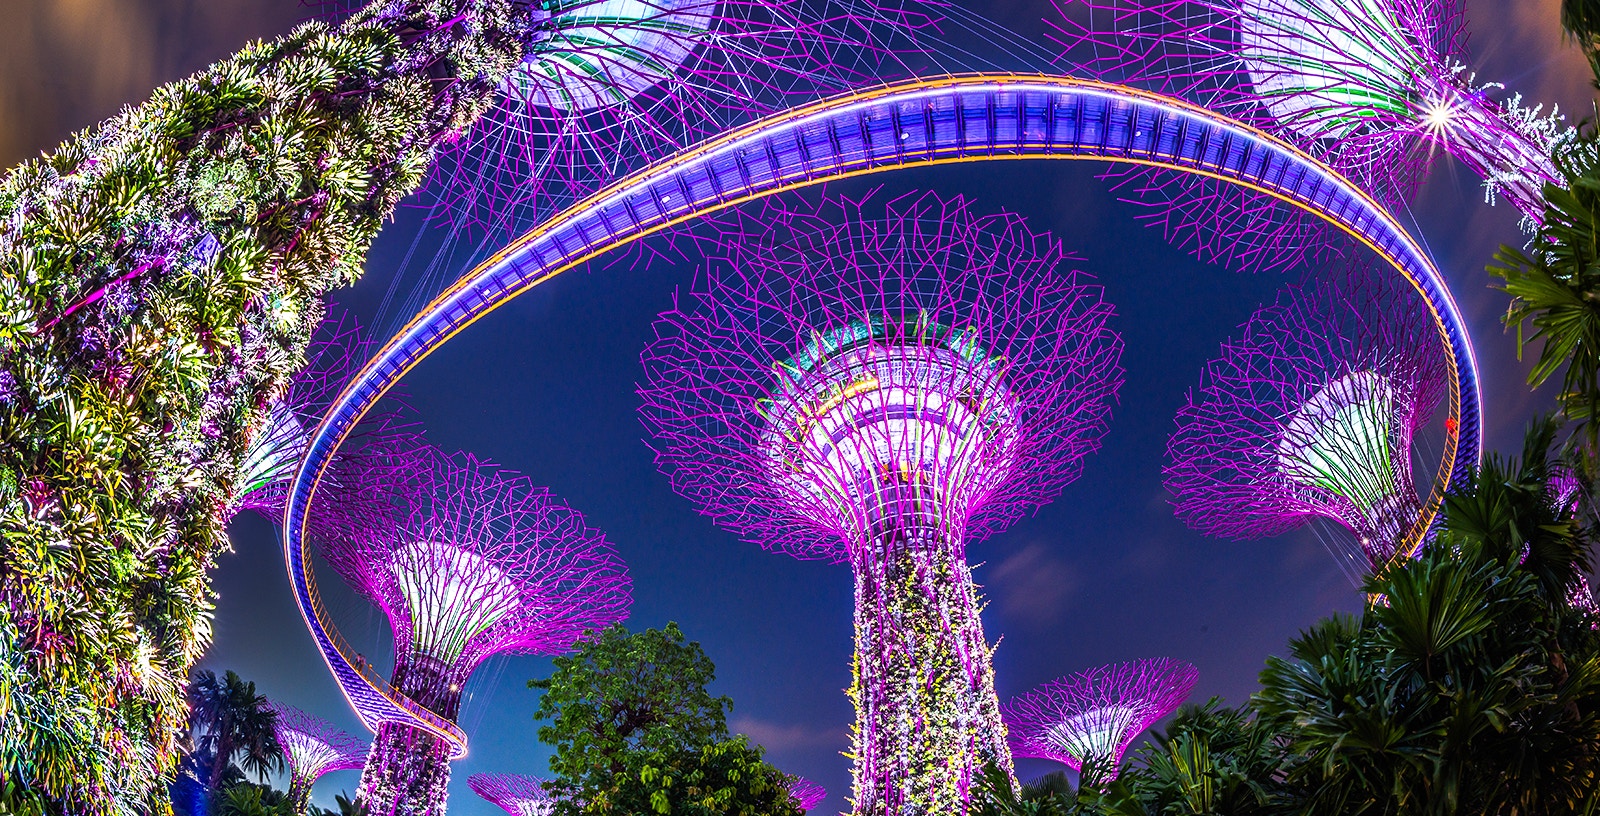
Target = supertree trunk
(159,278)
(300,794)
(927,718)
(408,771)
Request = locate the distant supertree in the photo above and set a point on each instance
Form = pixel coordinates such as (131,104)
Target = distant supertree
(516,795)
(337,349)
(471,562)
(1311,413)
(1088,720)
(809,794)
(1375,88)
(608,83)
(882,392)
(313,747)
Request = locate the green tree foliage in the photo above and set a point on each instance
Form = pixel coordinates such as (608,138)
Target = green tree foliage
(160,275)
(637,733)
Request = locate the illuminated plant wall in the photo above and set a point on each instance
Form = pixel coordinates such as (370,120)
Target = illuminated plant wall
(160,276)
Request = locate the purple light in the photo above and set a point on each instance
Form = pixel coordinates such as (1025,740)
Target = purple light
(809,794)
(1092,717)
(516,795)
(607,85)
(1377,89)
(1311,413)
(466,561)
(313,747)
(882,391)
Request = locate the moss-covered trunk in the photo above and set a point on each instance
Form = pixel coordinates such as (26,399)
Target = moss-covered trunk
(160,275)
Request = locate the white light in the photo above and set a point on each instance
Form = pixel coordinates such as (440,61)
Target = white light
(870,425)
(1341,438)
(1314,74)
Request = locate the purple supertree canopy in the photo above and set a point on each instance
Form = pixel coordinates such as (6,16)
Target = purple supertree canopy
(800,328)
(608,84)
(312,747)
(1311,412)
(466,561)
(809,794)
(337,350)
(1092,717)
(477,562)
(882,391)
(516,795)
(1375,88)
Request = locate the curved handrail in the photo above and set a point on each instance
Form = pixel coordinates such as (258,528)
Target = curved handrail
(920,122)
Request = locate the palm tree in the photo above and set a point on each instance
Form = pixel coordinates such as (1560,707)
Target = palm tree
(1581,19)
(233,726)
(1470,686)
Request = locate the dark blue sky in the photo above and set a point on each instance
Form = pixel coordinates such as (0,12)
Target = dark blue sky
(545,386)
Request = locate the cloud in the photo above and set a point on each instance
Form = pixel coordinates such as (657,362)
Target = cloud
(71,63)
(780,738)
(1031,586)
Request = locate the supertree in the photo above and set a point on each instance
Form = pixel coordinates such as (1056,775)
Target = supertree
(883,391)
(1087,720)
(809,794)
(1376,88)
(313,747)
(606,84)
(164,273)
(516,795)
(467,562)
(1311,412)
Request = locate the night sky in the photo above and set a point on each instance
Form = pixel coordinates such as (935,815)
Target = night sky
(546,387)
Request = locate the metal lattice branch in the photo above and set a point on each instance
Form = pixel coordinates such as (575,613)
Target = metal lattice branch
(1092,717)
(882,391)
(1375,88)
(609,85)
(476,561)
(1311,413)
(312,746)
(782,277)
(809,794)
(466,561)
(336,351)
(516,795)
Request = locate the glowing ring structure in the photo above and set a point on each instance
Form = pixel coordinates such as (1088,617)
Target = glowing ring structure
(975,117)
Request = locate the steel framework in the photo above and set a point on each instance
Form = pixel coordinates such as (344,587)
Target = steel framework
(516,795)
(1088,720)
(809,794)
(1375,88)
(313,747)
(466,561)
(1311,412)
(921,122)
